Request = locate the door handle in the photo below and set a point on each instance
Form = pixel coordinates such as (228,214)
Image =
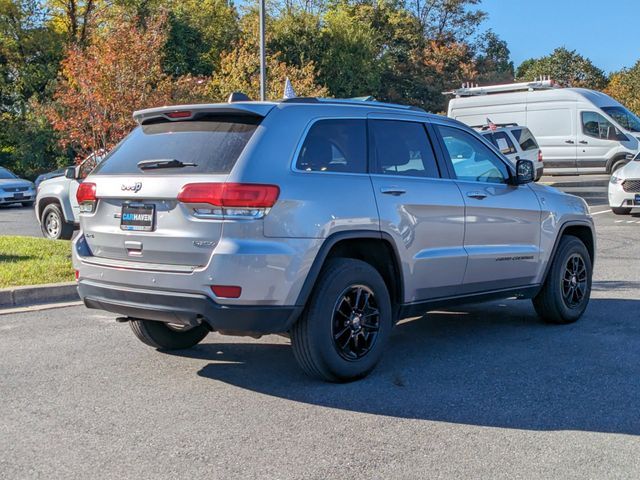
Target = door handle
(477,195)
(569,141)
(583,142)
(395,191)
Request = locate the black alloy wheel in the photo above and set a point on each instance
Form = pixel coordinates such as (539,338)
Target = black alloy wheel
(356,322)
(574,282)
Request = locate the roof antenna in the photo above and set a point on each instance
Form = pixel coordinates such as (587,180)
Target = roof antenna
(238,97)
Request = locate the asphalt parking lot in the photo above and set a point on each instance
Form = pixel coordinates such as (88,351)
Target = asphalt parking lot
(19,220)
(482,391)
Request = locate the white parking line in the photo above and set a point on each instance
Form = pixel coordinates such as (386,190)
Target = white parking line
(598,213)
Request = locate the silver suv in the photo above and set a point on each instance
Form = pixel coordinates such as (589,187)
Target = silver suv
(328,220)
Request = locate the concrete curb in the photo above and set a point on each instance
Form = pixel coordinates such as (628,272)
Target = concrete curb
(38,294)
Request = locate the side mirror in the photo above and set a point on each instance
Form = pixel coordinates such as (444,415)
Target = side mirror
(70,173)
(525,172)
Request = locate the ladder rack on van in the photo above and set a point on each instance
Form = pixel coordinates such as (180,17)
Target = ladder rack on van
(469,90)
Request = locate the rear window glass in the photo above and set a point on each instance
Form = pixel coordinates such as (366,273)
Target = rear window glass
(214,145)
(334,146)
(502,142)
(525,138)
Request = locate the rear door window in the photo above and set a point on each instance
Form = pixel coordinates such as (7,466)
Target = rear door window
(402,148)
(502,142)
(525,138)
(334,145)
(213,143)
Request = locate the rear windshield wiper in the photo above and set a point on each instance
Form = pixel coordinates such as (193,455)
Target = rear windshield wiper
(163,163)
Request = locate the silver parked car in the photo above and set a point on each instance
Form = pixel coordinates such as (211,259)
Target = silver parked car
(14,189)
(328,220)
(56,205)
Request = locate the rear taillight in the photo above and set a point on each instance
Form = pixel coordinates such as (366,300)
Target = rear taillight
(86,196)
(230,199)
(540,155)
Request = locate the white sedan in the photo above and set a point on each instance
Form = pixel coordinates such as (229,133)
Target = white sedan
(624,188)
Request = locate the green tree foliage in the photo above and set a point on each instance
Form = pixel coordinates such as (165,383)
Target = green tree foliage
(566,67)
(30,52)
(199,32)
(494,60)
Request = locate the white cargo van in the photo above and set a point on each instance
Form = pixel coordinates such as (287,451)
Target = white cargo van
(578,130)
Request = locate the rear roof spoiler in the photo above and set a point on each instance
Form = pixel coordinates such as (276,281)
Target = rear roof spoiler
(259,109)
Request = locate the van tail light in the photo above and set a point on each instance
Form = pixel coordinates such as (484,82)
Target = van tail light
(540,155)
(86,196)
(243,200)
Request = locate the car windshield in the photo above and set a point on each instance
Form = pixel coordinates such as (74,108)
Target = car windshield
(6,174)
(624,117)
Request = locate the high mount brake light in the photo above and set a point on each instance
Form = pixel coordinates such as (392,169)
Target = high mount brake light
(230,195)
(180,114)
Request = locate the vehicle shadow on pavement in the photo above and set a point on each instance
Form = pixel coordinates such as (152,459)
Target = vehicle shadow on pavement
(489,365)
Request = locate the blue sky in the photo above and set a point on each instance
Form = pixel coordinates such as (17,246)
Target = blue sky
(603,30)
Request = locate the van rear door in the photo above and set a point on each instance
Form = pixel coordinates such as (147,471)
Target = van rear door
(554,126)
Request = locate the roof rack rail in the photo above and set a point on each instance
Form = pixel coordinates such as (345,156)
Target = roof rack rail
(470,90)
(352,101)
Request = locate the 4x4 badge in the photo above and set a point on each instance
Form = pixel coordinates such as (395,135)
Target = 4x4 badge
(135,188)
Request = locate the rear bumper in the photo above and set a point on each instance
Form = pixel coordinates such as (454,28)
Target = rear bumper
(188,309)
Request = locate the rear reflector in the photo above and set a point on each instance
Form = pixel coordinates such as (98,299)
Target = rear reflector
(77,275)
(540,155)
(226,291)
(181,114)
(86,192)
(234,195)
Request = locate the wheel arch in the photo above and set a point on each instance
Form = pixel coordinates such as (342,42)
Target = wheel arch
(374,247)
(582,230)
(612,161)
(45,202)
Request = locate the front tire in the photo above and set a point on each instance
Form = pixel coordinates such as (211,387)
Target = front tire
(621,210)
(344,329)
(565,294)
(53,224)
(165,337)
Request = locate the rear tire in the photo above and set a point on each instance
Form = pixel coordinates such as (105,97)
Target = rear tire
(53,224)
(345,327)
(565,294)
(161,336)
(621,210)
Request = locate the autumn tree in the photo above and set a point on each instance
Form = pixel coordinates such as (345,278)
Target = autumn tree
(239,69)
(119,72)
(566,67)
(624,86)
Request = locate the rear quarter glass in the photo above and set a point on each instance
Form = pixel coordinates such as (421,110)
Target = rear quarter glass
(213,143)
